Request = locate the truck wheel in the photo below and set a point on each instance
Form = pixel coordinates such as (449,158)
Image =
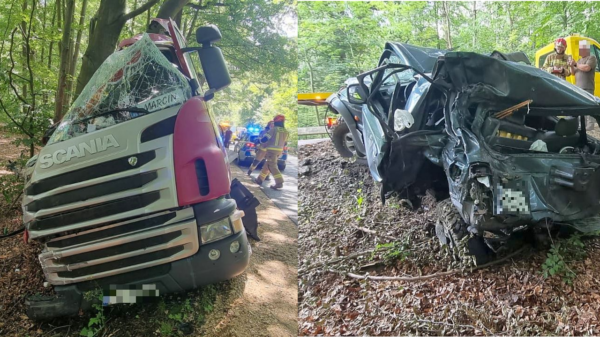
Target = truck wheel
(468,250)
(343,140)
(281,167)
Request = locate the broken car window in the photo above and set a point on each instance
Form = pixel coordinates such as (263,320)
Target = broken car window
(402,77)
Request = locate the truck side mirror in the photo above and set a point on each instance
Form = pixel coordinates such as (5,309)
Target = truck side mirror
(211,58)
(356,95)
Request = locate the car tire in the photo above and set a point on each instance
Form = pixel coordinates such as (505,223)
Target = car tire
(342,139)
(452,231)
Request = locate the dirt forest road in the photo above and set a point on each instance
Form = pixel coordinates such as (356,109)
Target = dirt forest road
(268,306)
(286,198)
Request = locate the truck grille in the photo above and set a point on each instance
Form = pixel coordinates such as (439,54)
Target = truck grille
(89,173)
(120,248)
(97,211)
(98,195)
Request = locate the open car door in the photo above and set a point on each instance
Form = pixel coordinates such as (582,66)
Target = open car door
(389,100)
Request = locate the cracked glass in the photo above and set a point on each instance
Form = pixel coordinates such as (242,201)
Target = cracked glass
(129,84)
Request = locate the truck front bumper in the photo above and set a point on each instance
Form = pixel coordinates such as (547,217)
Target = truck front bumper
(177,276)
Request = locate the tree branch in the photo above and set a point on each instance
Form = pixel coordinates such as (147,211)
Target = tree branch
(430,276)
(139,10)
(201,6)
(28,48)
(12,67)
(340,259)
(13,120)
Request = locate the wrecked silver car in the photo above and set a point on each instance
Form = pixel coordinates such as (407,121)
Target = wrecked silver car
(503,141)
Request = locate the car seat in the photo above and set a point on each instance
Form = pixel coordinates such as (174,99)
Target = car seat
(564,134)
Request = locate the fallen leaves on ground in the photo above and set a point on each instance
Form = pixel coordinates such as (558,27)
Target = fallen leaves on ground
(509,299)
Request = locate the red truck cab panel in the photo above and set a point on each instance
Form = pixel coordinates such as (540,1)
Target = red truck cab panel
(201,170)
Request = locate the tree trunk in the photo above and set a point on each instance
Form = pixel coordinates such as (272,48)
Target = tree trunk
(104,36)
(5,37)
(312,86)
(170,8)
(131,29)
(437,24)
(191,27)
(73,65)
(448,33)
(24,49)
(474,25)
(565,16)
(64,62)
(51,42)
(42,58)
(59,21)
(148,20)
(178,17)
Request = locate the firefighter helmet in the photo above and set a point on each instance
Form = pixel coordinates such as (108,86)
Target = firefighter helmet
(560,42)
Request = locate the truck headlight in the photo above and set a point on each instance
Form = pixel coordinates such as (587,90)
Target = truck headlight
(215,231)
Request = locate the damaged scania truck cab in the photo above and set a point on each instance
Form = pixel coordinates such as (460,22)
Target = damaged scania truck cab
(509,138)
(132,190)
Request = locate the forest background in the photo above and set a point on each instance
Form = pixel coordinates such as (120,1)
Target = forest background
(338,40)
(50,48)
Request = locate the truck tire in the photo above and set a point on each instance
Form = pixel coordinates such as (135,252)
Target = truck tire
(343,140)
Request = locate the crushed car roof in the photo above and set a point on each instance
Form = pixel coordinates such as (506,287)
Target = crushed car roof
(518,82)
(421,58)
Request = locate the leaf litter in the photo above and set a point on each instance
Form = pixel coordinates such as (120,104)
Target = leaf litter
(512,298)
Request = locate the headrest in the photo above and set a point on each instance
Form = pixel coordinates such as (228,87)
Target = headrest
(566,126)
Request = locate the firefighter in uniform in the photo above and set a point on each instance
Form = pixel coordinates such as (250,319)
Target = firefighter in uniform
(558,63)
(260,151)
(273,142)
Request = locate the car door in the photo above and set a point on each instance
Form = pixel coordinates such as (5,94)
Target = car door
(374,134)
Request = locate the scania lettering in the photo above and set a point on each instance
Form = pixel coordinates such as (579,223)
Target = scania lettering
(95,145)
(132,190)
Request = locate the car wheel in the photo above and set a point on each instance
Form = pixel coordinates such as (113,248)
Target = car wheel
(281,167)
(343,140)
(467,249)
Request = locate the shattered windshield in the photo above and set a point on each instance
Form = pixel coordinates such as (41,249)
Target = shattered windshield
(397,77)
(129,84)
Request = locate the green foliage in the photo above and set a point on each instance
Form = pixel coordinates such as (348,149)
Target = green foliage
(392,251)
(173,313)
(258,44)
(359,197)
(561,254)
(338,40)
(96,322)
(166,329)
(11,186)
(209,293)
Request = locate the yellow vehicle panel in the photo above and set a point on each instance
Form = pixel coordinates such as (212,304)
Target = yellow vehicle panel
(313,98)
(573,50)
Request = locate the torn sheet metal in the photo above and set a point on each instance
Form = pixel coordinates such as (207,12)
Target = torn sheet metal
(529,166)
